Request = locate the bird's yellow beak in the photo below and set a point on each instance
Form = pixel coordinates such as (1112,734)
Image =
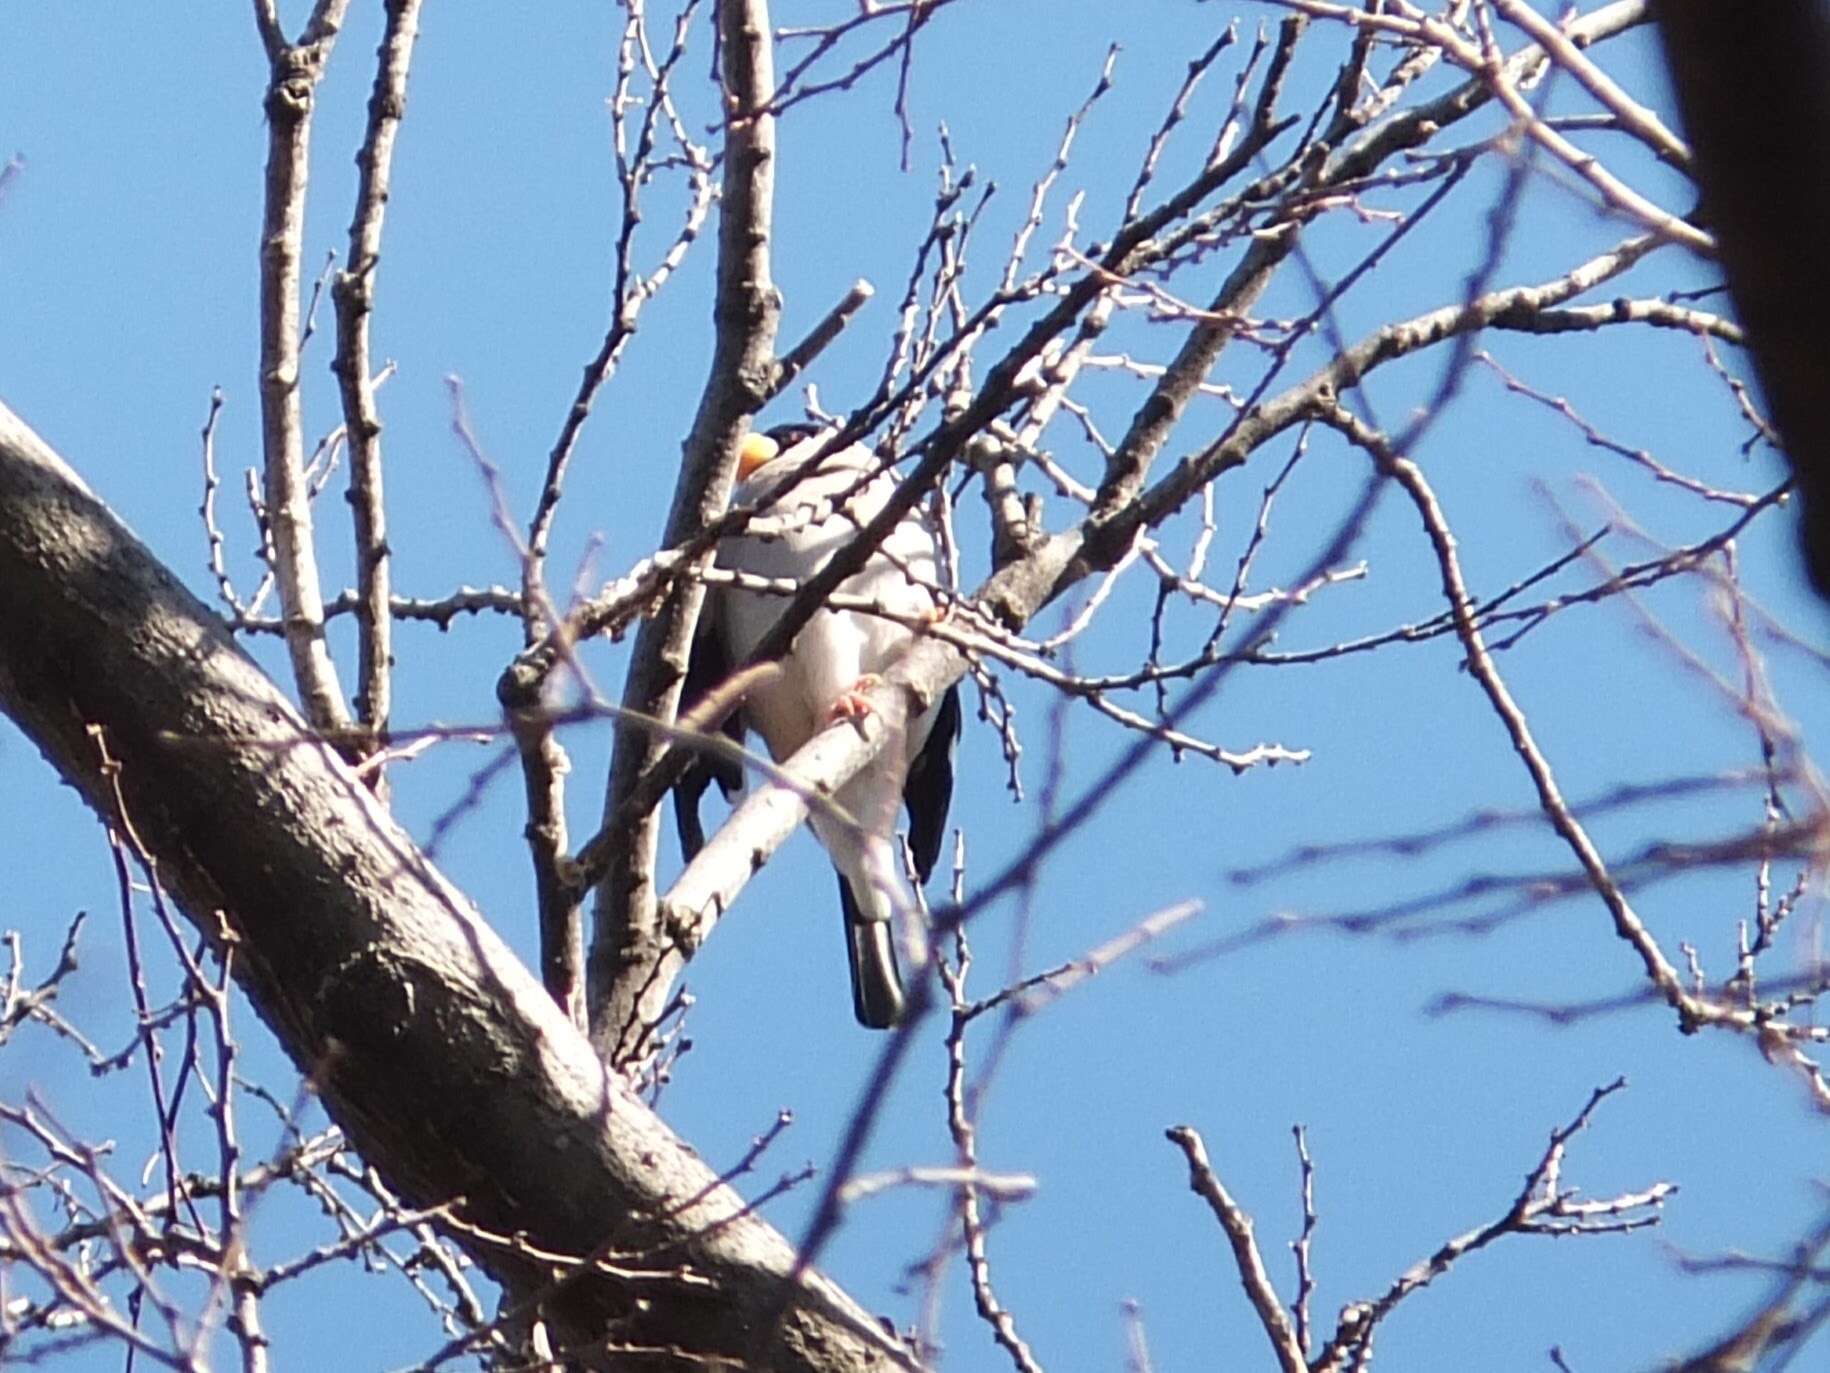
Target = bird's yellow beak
(756,450)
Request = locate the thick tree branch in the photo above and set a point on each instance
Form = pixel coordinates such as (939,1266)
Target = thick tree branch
(627,942)
(428,1041)
(1753,85)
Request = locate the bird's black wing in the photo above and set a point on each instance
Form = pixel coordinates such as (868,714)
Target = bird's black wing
(929,791)
(707,666)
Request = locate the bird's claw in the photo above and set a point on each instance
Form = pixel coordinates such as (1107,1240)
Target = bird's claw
(854,703)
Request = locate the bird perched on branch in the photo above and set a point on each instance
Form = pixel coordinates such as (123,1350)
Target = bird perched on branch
(837,657)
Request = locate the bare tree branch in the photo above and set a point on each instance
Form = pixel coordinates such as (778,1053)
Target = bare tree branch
(354,293)
(1237,1225)
(295,70)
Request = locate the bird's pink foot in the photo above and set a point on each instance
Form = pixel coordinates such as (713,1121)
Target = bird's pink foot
(854,703)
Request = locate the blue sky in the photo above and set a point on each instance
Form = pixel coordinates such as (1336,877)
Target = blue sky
(127,291)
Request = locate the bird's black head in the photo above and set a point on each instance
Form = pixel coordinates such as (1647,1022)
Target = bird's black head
(787,435)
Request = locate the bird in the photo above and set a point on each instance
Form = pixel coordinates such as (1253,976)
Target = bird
(835,659)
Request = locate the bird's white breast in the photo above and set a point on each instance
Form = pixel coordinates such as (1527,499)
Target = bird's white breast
(792,540)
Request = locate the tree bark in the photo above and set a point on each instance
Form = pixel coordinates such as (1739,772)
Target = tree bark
(1753,85)
(450,1068)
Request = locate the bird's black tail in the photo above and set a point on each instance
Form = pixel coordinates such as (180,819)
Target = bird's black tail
(876,983)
